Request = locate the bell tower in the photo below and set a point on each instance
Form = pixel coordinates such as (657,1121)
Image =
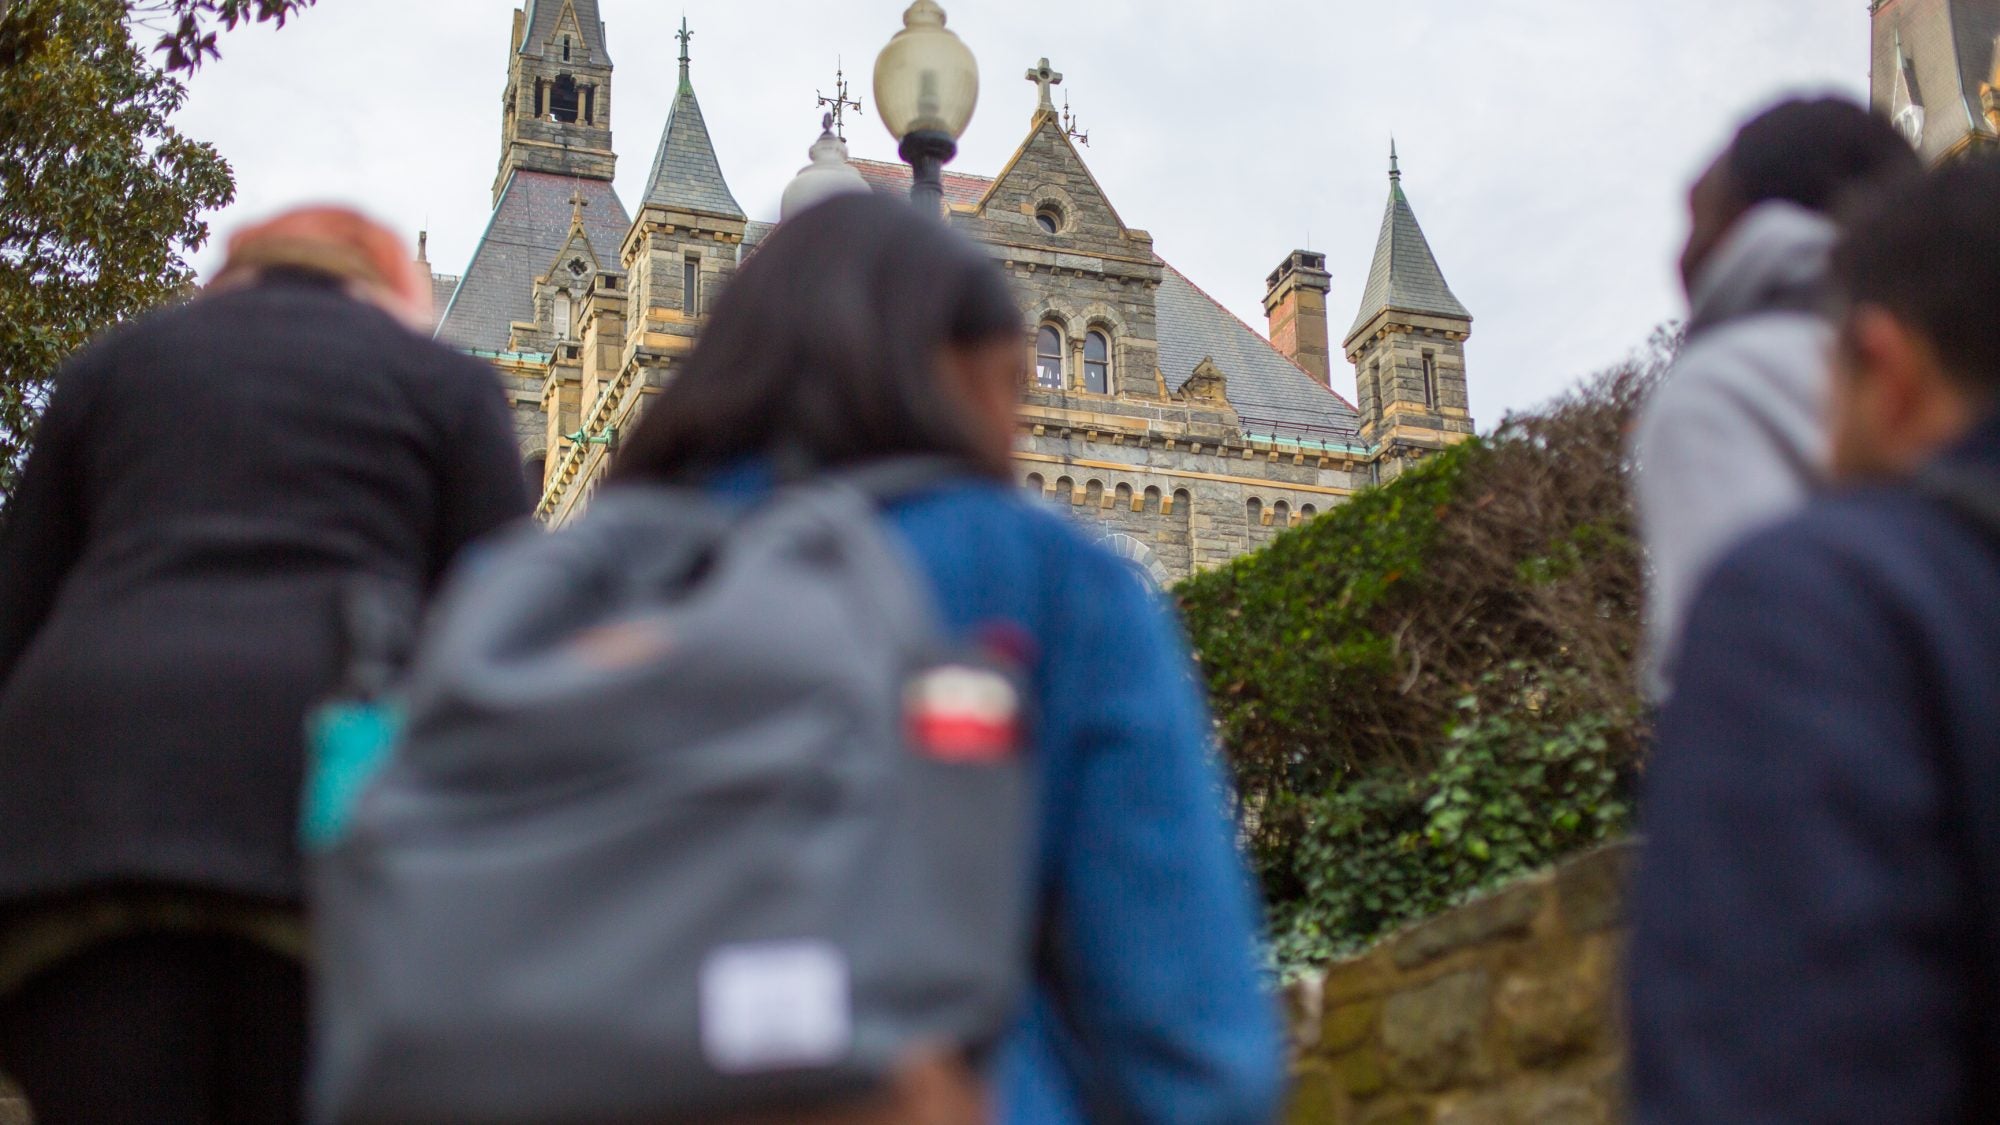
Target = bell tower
(556,113)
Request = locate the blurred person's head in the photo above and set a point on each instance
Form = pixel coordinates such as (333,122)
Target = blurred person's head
(859,329)
(1918,359)
(1814,153)
(337,242)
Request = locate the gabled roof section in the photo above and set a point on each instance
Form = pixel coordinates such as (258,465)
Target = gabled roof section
(576,249)
(1405,274)
(529,227)
(547,17)
(1047,152)
(1271,394)
(686,175)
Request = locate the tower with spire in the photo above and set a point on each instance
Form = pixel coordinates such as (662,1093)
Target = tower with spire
(1407,344)
(556,113)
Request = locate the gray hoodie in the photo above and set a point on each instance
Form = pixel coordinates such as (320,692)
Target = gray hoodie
(1735,437)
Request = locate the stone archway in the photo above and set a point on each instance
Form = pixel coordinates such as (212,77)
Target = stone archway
(1140,557)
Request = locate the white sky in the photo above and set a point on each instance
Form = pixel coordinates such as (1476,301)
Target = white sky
(1545,143)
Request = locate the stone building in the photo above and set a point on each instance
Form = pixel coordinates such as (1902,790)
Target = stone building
(1936,73)
(1178,433)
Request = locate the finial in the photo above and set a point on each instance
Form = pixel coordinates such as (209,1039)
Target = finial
(839,103)
(684,35)
(1046,79)
(423,246)
(1395,166)
(576,205)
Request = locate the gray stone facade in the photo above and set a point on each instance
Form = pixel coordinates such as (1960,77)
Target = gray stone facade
(1168,428)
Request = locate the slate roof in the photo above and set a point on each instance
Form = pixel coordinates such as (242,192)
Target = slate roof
(685,173)
(1949,49)
(889,178)
(1405,274)
(443,285)
(1271,394)
(529,227)
(542,17)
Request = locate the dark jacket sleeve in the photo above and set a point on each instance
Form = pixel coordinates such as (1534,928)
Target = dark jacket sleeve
(1795,957)
(42,530)
(1155,923)
(483,483)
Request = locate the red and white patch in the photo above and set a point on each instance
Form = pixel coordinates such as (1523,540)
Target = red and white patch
(963,714)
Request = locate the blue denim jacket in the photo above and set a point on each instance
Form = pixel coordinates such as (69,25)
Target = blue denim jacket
(1156,1011)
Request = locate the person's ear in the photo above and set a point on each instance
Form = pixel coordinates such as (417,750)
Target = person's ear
(1889,367)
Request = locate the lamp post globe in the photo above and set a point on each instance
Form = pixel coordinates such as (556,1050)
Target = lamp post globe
(926,87)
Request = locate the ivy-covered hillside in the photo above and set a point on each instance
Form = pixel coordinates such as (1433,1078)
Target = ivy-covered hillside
(1432,688)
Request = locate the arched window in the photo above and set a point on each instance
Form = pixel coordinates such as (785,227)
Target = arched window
(1036,484)
(562,314)
(1049,358)
(1123,497)
(1097,363)
(1152,499)
(1281,514)
(1255,510)
(565,48)
(537,470)
(1093,494)
(1308,512)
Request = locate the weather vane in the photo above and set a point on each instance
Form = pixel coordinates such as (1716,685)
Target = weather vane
(839,103)
(1069,124)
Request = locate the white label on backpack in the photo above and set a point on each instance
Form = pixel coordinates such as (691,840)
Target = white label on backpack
(776,1006)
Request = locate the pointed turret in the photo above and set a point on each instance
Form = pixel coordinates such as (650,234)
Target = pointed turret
(1405,276)
(686,175)
(1408,340)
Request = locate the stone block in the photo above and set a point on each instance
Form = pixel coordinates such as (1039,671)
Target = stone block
(1434,1035)
(1349,1025)
(1510,913)
(1303,1010)
(1359,1073)
(1556,1103)
(1316,1098)
(1395,1113)
(1483,1109)
(1591,890)
(1549,1018)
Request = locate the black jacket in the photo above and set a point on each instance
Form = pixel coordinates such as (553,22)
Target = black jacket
(204,484)
(1818,912)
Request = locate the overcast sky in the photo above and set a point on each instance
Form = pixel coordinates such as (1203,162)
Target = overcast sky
(1545,143)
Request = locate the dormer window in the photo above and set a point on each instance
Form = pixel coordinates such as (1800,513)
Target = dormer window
(565,48)
(1910,122)
(562,314)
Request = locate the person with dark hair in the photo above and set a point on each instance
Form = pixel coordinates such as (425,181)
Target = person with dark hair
(1735,436)
(1817,917)
(207,486)
(861,330)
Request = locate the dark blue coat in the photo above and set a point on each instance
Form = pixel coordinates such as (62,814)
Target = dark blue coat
(1816,914)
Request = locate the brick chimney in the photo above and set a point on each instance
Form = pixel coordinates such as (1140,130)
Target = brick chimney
(1296,303)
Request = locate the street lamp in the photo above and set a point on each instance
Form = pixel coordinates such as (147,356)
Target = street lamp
(926,87)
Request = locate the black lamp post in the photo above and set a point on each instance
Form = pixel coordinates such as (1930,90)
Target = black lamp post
(926,87)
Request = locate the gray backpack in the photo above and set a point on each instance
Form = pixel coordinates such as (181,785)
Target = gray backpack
(696,816)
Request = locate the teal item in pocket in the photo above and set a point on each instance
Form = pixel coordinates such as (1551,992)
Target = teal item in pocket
(348,743)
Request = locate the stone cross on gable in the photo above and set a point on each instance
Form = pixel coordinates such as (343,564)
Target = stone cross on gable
(1047,80)
(576,205)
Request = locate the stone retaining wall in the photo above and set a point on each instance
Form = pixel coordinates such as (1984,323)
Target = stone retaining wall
(1502,1012)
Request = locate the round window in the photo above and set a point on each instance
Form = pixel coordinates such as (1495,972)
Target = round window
(1049,219)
